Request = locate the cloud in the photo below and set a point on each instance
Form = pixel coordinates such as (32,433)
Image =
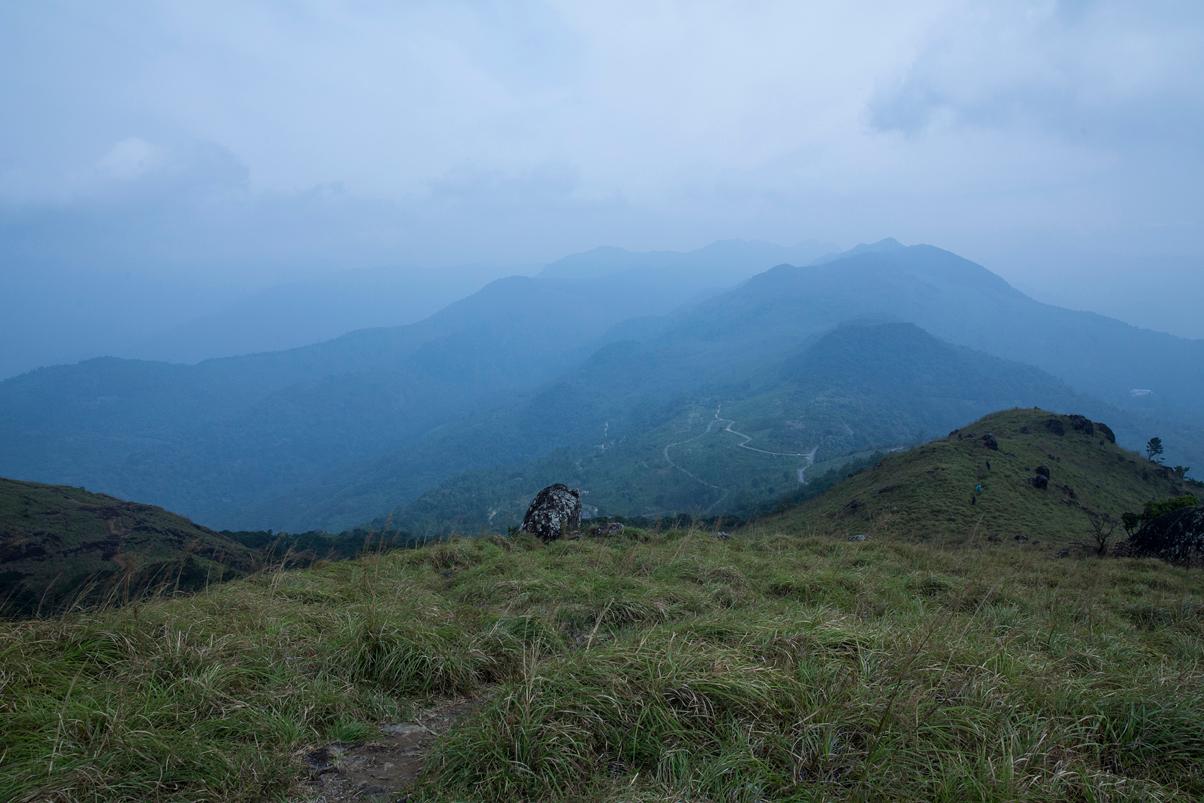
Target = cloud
(251,137)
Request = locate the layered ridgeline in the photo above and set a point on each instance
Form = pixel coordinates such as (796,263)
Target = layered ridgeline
(60,546)
(216,438)
(557,368)
(739,446)
(1024,476)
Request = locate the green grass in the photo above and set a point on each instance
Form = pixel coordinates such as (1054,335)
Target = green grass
(925,492)
(651,666)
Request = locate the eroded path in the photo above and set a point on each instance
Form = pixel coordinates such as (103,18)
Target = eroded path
(384,768)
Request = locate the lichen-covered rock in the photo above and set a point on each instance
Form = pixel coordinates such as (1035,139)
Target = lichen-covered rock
(1177,537)
(605,530)
(554,513)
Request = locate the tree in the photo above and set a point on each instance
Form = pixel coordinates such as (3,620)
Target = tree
(1102,527)
(1153,449)
(1182,471)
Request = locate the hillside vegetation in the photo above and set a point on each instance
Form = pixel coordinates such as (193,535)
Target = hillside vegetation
(649,666)
(930,492)
(737,446)
(60,546)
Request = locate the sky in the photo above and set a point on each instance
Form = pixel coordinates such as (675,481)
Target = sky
(211,148)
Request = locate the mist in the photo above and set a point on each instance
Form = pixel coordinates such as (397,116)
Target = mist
(163,166)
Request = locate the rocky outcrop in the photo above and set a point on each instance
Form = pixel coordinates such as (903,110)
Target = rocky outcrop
(1080,423)
(554,513)
(1177,537)
(1083,424)
(1040,478)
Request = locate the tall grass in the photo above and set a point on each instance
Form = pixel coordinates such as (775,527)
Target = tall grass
(666,666)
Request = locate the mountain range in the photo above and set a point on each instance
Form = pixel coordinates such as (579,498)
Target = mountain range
(599,364)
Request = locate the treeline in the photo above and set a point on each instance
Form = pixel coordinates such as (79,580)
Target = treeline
(297,550)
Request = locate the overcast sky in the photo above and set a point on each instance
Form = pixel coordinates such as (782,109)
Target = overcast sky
(1059,143)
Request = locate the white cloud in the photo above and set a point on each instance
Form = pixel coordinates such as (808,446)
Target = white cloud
(644,124)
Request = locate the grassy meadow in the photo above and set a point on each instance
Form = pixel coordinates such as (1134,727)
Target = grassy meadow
(774,665)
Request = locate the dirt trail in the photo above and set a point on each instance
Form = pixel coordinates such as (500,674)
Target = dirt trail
(668,459)
(729,426)
(384,768)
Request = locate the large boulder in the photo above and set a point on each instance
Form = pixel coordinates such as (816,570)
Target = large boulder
(1177,537)
(554,513)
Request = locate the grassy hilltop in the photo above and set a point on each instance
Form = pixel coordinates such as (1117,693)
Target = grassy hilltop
(925,493)
(675,665)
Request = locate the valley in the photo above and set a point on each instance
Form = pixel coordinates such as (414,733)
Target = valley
(394,421)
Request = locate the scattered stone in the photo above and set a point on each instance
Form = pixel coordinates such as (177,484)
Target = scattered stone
(382,768)
(722,536)
(990,442)
(1064,552)
(324,759)
(858,537)
(604,530)
(554,513)
(1040,482)
(1020,538)
(1043,471)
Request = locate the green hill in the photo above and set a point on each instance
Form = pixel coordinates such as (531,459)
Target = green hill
(929,492)
(61,545)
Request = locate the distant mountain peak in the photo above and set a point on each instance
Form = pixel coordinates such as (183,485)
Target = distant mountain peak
(881,246)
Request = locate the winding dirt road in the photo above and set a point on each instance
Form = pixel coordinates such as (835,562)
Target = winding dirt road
(729,426)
